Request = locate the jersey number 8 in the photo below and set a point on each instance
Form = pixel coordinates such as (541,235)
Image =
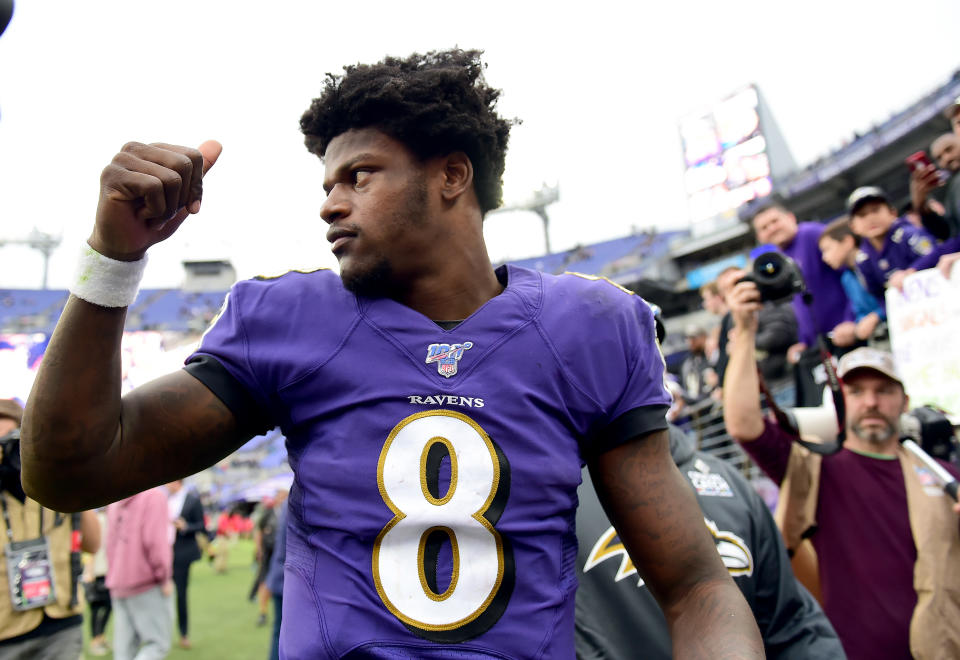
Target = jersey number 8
(406,550)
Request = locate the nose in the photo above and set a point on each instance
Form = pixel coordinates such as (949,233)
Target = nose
(335,207)
(870,399)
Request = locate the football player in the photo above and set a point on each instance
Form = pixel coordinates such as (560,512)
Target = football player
(437,411)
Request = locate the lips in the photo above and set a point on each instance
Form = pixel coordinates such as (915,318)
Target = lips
(339,237)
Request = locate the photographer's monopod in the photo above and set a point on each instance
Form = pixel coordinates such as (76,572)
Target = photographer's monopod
(946,479)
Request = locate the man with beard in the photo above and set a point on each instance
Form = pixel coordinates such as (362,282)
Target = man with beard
(886,537)
(437,411)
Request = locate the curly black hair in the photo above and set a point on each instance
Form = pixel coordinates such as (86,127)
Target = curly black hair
(435,104)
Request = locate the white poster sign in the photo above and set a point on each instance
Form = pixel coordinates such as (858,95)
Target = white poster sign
(924,322)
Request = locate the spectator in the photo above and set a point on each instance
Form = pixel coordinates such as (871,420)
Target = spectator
(264,521)
(617,617)
(41,615)
(830,312)
(186,514)
(139,572)
(892,247)
(98,596)
(274,578)
(695,370)
(943,223)
(885,545)
(725,281)
(838,248)
(713,299)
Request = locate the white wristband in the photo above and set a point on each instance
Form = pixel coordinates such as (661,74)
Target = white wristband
(107,282)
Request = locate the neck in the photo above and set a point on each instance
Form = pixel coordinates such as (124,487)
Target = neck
(877,243)
(455,284)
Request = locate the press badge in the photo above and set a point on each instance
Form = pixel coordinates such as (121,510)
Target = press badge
(30,574)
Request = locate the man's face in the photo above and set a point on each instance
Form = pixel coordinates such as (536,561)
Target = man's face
(696,343)
(834,253)
(946,151)
(873,407)
(377,209)
(873,219)
(712,302)
(955,120)
(775,226)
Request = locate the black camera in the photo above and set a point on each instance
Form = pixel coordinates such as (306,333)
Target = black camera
(930,428)
(776,276)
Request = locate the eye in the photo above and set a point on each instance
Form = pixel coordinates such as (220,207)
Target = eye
(360,177)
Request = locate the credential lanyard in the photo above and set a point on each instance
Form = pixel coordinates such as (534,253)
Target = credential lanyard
(6,518)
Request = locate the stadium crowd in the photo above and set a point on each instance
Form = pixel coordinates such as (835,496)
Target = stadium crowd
(131,559)
(846,266)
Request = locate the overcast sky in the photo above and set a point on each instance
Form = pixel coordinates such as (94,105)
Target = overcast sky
(599,86)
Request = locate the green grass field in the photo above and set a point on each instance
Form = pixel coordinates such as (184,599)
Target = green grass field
(222,620)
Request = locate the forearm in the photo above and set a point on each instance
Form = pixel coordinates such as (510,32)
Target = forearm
(72,416)
(659,522)
(78,429)
(713,621)
(741,386)
(89,532)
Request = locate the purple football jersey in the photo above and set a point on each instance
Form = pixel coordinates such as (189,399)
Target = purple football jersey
(432,510)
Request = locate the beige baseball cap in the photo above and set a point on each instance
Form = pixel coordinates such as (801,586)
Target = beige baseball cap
(11,408)
(869,358)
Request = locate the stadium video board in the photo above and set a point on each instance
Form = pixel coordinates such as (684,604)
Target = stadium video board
(725,156)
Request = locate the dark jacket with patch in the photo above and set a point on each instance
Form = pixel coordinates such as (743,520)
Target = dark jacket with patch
(617,617)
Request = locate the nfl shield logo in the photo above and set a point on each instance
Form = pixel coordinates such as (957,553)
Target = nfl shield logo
(447,356)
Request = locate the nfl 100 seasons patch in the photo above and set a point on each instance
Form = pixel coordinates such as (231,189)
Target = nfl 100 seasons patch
(447,356)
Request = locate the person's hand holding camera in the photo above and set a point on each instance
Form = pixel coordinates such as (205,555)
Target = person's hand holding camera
(744,303)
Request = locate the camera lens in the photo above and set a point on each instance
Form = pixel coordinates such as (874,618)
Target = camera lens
(768,267)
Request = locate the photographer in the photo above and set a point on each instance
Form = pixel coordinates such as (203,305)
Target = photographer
(884,541)
(830,313)
(41,615)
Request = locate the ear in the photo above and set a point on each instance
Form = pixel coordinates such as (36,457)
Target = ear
(906,402)
(457,176)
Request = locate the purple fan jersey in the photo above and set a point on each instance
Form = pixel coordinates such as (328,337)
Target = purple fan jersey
(432,511)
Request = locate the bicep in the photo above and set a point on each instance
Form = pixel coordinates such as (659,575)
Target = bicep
(170,428)
(656,515)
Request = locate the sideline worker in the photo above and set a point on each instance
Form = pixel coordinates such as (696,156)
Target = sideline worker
(886,536)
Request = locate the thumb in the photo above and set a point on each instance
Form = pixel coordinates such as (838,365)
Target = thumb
(211,152)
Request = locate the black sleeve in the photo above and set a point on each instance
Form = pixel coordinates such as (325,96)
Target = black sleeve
(251,419)
(193,515)
(936,224)
(776,328)
(631,424)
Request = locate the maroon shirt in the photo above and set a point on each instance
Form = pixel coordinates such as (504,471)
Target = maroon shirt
(864,545)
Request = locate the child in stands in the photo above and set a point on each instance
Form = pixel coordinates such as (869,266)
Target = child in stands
(839,248)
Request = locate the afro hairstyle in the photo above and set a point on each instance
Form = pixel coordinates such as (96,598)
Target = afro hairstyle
(435,104)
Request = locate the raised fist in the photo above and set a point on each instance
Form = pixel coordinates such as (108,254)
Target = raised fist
(146,192)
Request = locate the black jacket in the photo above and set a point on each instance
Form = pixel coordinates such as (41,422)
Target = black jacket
(185,546)
(617,617)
